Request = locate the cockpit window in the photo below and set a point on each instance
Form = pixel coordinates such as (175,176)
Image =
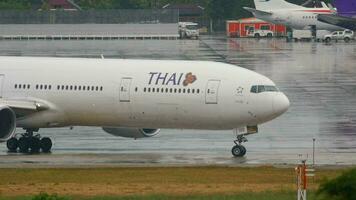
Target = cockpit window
(271,89)
(263,88)
(254,89)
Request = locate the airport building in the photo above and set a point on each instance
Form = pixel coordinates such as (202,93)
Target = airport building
(247,27)
(71,24)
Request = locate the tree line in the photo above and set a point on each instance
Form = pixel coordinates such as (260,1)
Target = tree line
(214,9)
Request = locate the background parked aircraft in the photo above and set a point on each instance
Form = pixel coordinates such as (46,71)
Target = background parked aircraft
(291,15)
(345,17)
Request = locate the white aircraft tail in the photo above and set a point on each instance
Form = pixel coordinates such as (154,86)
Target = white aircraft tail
(268,5)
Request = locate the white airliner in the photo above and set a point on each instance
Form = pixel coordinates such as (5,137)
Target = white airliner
(292,15)
(131,98)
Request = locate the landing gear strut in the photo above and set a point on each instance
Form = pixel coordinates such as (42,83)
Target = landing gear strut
(30,143)
(238,150)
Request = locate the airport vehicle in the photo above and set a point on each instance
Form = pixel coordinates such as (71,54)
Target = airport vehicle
(345,35)
(345,17)
(188,30)
(291,15)
(259,33)
(131,98)
(307,35)
(299,35)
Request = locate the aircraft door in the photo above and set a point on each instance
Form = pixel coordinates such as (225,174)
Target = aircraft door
(125,89)
(1,84)
(212,91)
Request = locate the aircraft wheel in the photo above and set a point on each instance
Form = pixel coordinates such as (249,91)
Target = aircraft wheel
(34,144)
(46,145)
(12,144)
(238,151)
(24,144)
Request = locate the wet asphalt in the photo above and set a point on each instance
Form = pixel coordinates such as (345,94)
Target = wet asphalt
(319,79)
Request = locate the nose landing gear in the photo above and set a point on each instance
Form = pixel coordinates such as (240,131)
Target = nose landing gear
(238,150)
(30,143)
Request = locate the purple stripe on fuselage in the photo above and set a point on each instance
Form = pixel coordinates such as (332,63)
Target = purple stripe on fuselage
(346,8)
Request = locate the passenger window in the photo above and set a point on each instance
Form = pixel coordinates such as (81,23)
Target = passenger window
(97,88)
(153,89)
(149,89)
(144,89)
(49,87)
(170,90)
(198,91)
(28,86)
(101,88)
(15,86)
(184,90)
(166,90)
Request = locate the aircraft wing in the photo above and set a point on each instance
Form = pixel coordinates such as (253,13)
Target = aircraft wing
(24,107)
(345,22)
(257,12)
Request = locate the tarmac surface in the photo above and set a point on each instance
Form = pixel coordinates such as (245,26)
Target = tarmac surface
(319,79)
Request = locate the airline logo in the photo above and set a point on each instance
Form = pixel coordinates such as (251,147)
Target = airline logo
(159,78)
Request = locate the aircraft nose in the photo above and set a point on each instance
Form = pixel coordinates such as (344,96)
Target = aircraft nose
(280,104)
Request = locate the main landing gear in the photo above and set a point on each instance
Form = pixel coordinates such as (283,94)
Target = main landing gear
(238,150)
(30,143)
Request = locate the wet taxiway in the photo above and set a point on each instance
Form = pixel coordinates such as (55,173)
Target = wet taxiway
(319,79)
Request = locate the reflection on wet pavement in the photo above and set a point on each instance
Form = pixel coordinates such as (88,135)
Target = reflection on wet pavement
(319,79)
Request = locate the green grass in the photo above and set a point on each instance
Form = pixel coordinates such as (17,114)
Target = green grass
(243,196)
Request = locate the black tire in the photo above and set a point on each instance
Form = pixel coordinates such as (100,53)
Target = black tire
(35,144)
(347,39)
(269,35)
(46,145)
(243,150)
(257,35)
(24,144)
(238,151)
(327,40)
(12,144)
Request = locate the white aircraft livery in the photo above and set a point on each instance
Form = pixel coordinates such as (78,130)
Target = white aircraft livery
(292,15)
(131,98)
